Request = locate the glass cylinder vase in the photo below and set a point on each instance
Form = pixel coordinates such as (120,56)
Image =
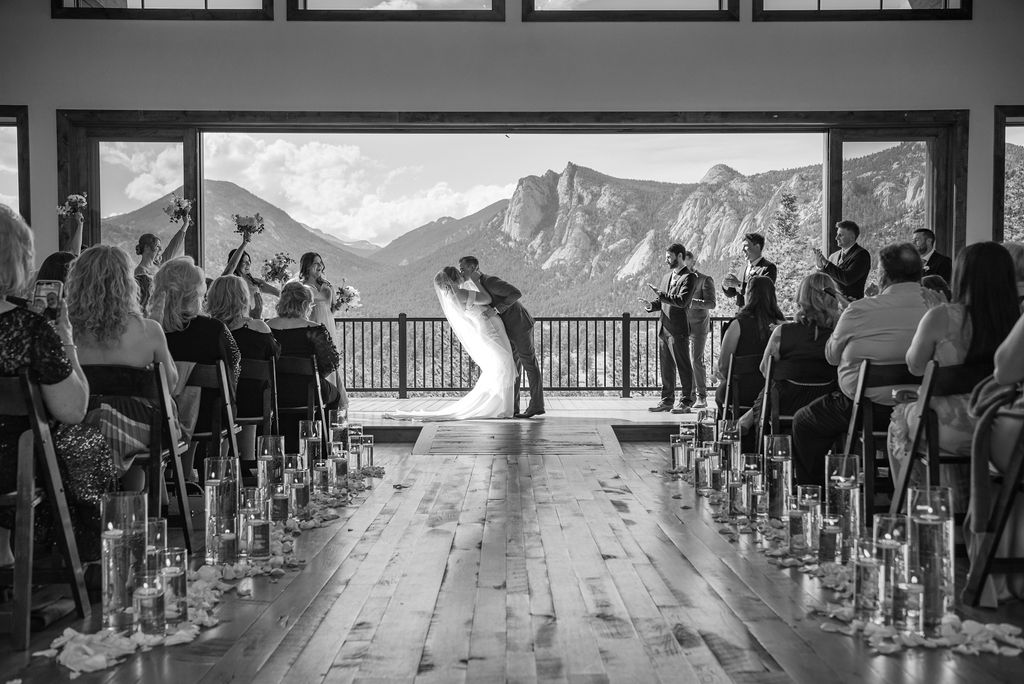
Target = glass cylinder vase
(930,552)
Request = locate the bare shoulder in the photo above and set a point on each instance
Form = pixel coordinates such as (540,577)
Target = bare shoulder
(259,326)
(152,329)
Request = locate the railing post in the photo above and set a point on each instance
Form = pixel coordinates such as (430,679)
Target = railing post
(626,344)
(403,363)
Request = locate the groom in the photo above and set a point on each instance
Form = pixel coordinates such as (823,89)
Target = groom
(519,326)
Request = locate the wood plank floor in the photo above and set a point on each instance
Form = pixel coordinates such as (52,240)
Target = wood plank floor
(533,566)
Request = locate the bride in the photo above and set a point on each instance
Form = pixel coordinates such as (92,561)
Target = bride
(482,334)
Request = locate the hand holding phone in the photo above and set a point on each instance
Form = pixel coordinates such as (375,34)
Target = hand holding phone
(46,298)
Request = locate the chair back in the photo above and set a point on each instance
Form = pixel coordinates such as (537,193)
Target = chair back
(768,407)
(214,378)
(871,375)
(304,367)
(262,372)
(739,367)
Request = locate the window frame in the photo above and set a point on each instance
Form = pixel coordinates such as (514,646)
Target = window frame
(20,115)
(963,13)
(531,14)
(75,129)
(58,11)
(1002,114)
(296,13)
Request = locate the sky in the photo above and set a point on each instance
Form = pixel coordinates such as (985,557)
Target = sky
(378,186)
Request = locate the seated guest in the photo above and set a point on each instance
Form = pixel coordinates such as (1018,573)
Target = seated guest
(1009,371)
(299,336)
(178,290)
(878,329)
(937,284)
(240,264)
(802,373)
(103,305)
(1016,251)
(56,267)
(967,331)
(747,335)
(228,302)
(48,351)
(151,250)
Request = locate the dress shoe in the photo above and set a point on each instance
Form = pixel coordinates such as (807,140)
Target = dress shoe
(530,413)
(663,406)
(683,406)
(702,402)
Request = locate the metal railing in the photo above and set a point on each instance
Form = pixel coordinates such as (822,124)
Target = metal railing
(577,354)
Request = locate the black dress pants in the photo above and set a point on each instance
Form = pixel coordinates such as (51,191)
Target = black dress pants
(674,351)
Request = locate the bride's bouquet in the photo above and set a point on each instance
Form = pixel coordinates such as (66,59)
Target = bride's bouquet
(72,205)
(248,225)
(276,270)
(178,209)
(347,297)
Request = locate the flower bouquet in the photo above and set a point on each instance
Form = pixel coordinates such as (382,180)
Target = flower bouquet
(347,297)
(248,225)
(178,209)
(276,270)
(72,205)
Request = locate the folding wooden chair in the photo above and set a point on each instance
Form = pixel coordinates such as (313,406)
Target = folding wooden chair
(256,373)
(306,368)
(166,445)
(770,421)
(994,513)
(862,422)
(214,378)
(938,381)
(740,367)
(21,396)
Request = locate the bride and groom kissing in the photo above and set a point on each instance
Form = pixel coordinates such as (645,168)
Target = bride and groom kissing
(496,331)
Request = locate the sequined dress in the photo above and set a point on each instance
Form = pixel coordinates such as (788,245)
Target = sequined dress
(27,340)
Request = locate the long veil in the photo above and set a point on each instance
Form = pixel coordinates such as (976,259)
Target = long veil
(487,343)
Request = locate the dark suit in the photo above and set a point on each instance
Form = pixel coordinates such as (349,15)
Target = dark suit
(674,331)
(851,271)
(763,268)
(519,325)
(940,265)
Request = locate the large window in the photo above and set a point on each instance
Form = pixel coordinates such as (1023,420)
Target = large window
(860,10)
(14,159)
(1008,175)
(162,9)
(400,10)
(631,10)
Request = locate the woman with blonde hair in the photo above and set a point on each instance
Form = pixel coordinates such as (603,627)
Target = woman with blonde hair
(299,336)
(801,373)
(48,351)
(103,306)
(228,301)
(178,291)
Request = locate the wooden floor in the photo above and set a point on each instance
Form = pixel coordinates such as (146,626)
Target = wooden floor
(542,565)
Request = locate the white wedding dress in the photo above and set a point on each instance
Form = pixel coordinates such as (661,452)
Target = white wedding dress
(485,340)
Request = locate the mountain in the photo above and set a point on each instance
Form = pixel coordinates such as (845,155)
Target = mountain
(221,200)
(363,248)
(440,234)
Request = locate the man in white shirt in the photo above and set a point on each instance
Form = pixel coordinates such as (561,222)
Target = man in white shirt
(878,329)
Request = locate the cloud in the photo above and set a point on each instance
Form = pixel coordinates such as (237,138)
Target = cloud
(336,187)
(9,200)
(8,149)
(157,167)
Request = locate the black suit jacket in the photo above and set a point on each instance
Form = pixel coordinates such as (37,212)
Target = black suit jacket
(505,298)
(675,302)
(850,272)
(940,265)
(763,268)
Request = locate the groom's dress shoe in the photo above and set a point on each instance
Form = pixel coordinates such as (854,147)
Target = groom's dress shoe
(530,413)
(663,406)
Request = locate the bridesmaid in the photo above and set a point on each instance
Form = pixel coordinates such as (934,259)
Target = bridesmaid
(152,254)
(239,264)
(311,274)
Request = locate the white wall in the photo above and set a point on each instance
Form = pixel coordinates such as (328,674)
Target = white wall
(52,64)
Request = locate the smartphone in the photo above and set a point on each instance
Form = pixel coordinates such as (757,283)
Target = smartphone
(46,298)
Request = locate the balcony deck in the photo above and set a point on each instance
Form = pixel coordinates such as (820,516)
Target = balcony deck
(545,562)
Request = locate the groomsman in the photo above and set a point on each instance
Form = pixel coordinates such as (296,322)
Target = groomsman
(672,299)
(699,318)
(849,265)
(757,265)
(934,263)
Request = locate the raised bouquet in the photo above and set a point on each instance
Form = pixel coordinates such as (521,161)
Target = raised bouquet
(347,297)
(248,225)
(178,209)
(72,205)
(276,270)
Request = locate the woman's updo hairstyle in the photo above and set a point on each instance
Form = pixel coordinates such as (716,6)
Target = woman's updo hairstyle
(146,241)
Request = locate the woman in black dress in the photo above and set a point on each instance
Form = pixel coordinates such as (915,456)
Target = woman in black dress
(240,264)
(228,302)
(27,340)
(178,290)
(300,337)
